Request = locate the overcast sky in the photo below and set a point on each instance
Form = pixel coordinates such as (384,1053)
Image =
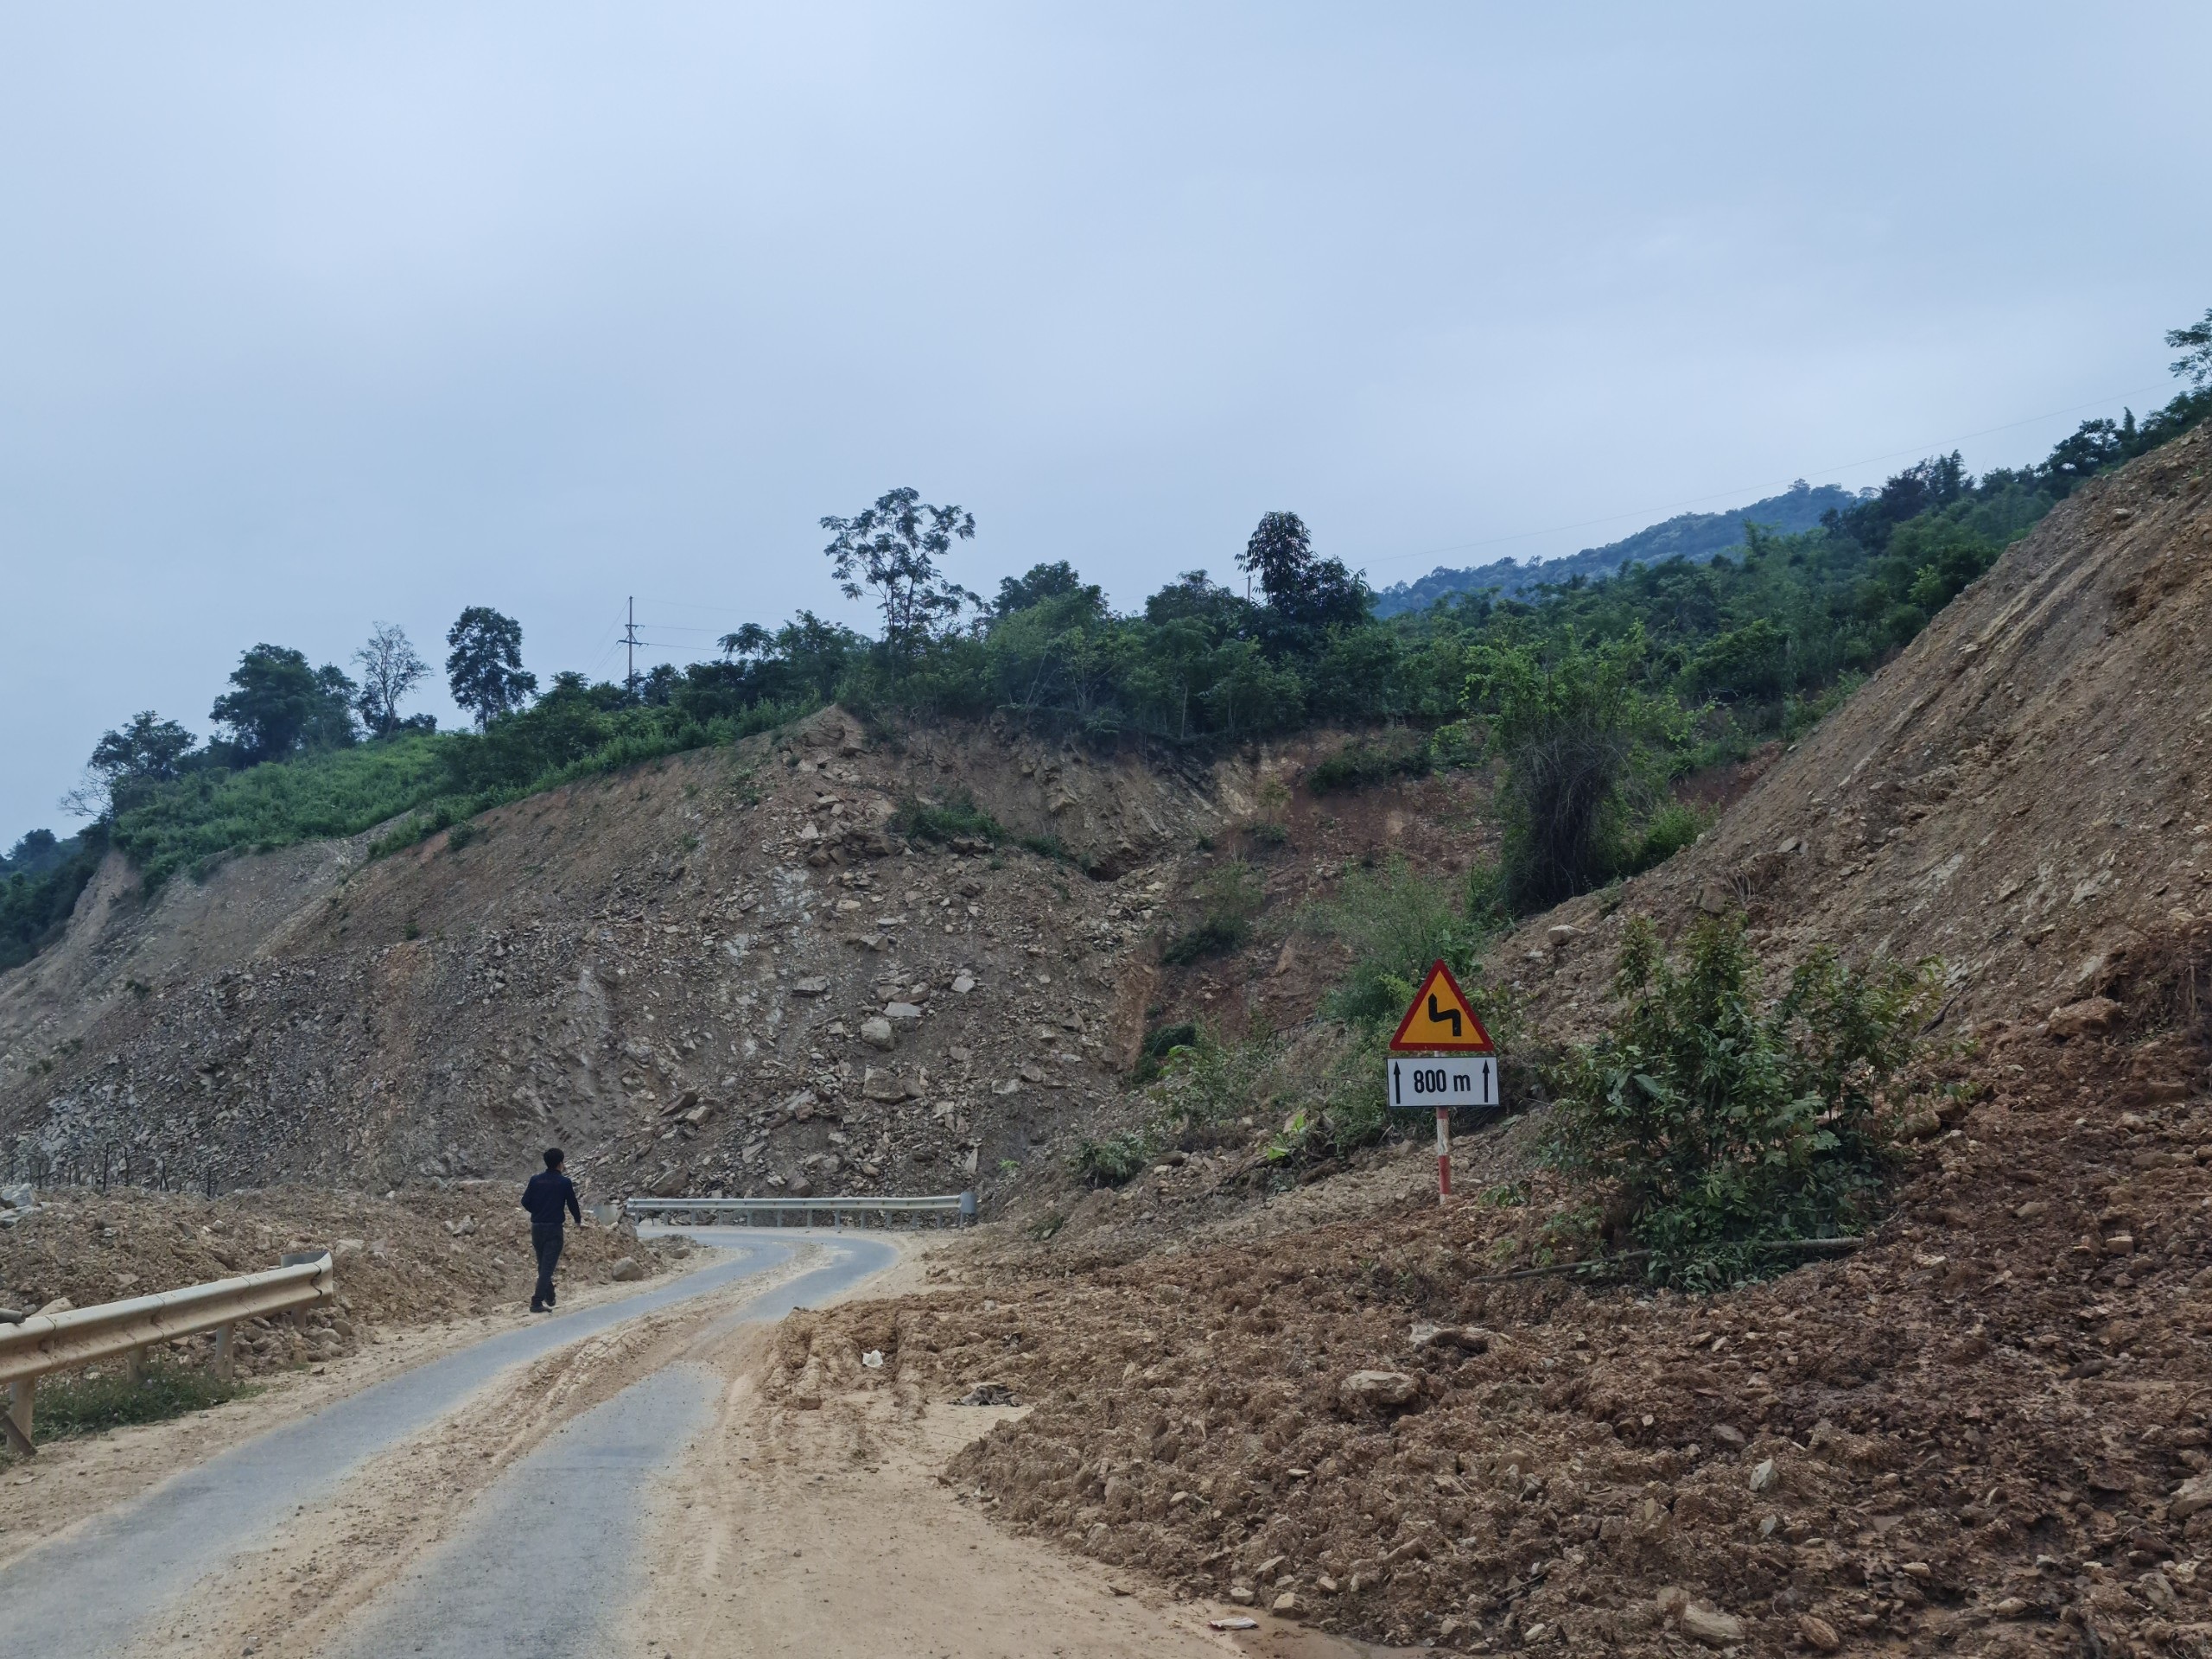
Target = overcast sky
(316,316)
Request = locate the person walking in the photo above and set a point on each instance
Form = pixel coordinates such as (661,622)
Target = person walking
(546,1195)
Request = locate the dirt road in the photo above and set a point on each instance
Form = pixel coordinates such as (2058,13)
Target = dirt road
(609,1481)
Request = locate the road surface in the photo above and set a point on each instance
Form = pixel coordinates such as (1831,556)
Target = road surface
(523,1575)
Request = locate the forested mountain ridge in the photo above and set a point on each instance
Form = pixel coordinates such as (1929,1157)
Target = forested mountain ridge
(1693,536)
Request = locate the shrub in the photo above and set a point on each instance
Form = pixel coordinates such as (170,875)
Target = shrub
(1115,1160)
(1396,923)
(1229,896)
(1363,762)
(1676,826)
(1578,742)
(956,818)
(1723,1124)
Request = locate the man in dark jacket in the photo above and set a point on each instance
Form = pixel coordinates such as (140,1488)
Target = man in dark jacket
(548,1193)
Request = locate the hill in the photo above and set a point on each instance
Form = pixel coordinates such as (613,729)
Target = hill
(1694,535)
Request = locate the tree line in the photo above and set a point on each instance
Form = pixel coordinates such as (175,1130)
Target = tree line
(1587,696)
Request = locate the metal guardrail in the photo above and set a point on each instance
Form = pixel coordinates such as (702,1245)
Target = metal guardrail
(950,1209)
(54,1342)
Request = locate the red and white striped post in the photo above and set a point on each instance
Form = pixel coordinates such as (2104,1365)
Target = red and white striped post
(1443,1154)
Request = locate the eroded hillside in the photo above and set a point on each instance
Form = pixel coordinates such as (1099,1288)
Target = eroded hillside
(2025,792)
(728,970)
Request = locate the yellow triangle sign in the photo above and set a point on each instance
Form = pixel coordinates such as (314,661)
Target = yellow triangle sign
(1441,1020)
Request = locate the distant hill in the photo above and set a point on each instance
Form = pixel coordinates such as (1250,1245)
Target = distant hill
(1696,536)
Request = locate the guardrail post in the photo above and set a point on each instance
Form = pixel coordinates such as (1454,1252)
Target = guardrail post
(17,1421)
(222,1365)
(134,1364)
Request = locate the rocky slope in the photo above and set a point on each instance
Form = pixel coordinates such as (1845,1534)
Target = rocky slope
(726,971)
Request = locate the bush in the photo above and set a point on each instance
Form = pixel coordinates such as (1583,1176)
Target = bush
(1721,1124)
(1579,742)
(956,818)
(1676,826)
(1114,1161)
(1396,923)
(1362,762)
(1229,897)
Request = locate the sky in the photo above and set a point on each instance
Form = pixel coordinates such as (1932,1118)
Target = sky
(317,317)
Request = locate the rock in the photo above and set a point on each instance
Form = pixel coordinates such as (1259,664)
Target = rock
(873,1359)
(1921,1125)
(1325,1585)
(1287,1605)
(1764,1476)
(876,1031)
(1266,1571)
(1817,1633)
(902,1013)
(816,986)
(801,1188)
(1241,1594)
(347,1249)
(1715,898)
(2011,1607)
(988,1394)
(1711,1626)
(1467,1339)
(59,1305)
(2192,1496)
(1095,1540)
(962,983)
(887,1087)
(18,1195)
(626,1271)
(1376,1391)
(2083,1018)
(1562,935)
(1726,1434)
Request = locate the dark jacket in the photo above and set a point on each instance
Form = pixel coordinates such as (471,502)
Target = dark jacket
(549,1191)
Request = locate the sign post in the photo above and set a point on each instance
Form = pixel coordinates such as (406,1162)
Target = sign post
(1440,1058)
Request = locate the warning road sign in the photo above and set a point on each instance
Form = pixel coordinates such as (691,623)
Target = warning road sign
(1441,1020)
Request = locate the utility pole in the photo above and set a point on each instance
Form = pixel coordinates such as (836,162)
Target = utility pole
(630,640)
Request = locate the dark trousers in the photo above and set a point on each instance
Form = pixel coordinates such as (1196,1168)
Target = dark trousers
(545,1238)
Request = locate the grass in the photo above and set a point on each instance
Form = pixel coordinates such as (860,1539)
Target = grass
(1363,762)
(1229,897)
(956,818)
(76,1405)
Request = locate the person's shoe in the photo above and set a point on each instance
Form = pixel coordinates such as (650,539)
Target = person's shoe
(537,1308)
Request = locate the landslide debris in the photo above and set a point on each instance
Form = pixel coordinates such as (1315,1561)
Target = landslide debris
(1987,1430)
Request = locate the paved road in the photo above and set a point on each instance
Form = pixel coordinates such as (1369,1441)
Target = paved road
(86,1593)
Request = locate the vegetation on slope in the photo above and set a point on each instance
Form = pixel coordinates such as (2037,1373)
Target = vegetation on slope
(1588,695)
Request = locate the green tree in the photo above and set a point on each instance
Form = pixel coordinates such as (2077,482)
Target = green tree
(279,705)
(2195,345)
(390,668)
(1309,594)
(1577,739)
(484,665)
(128,762)
(892,548)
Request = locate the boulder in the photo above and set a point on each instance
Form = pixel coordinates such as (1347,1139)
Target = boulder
(1711,1626)
(626,1271)
(2086,1018)
(962,983)
(813,986)
(902,1013)
(1376,1391)
(876,1031)
(2190,1497)
(886,1086)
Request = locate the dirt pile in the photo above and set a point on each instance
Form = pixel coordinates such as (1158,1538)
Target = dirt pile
(2025,791)
(420,1257)
(1978,1429)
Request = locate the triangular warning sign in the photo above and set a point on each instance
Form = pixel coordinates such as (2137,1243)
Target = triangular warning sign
(1441,1020)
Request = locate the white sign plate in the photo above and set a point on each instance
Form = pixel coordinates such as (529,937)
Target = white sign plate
(1421,1083)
